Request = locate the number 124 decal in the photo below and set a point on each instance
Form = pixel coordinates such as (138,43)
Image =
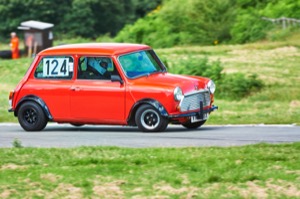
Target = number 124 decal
(55,67)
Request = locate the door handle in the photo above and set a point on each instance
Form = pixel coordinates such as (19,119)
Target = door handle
(73,88)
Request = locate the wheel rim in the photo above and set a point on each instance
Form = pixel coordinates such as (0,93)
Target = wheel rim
(30,116)
(150,119)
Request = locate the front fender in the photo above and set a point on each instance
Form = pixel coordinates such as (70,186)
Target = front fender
(38,101)
(152,102)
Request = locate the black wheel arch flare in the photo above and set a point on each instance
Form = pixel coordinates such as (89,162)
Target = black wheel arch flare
(156,104)
(36,99)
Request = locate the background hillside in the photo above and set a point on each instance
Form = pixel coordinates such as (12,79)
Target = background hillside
(275,64)
(159,23)
(254,62)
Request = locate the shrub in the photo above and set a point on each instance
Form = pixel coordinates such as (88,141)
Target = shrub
(17,143)
(249,27)
(149,30)
(237,85)
(229,86)
(200,67)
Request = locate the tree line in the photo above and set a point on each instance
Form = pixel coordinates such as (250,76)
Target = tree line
(188,22)
(88,18)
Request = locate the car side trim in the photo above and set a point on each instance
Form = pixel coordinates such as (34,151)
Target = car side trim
(37,100)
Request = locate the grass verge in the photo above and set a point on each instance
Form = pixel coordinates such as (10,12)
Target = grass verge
(257,171)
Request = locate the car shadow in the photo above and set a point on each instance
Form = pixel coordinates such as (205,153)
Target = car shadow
(121,129)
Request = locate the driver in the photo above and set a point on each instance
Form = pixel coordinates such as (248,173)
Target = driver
(99,65)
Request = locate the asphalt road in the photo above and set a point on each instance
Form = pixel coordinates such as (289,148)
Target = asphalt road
(55,135)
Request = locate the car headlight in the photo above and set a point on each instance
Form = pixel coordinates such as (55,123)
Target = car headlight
(211,86)
(178,94)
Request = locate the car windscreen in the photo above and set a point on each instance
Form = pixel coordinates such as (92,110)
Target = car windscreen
(140,63)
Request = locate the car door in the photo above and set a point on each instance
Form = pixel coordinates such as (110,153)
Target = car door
(53,78)
(94,97)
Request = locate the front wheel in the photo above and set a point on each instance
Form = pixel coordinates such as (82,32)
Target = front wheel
(190,125)
(149,119)
(32,117)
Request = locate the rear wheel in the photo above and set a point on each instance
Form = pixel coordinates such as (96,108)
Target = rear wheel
(149,119)
(32,117)
(190,125)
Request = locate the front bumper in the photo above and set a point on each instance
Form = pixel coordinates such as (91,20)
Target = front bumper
(199,114)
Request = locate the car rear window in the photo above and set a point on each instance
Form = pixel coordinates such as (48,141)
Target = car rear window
(55,67)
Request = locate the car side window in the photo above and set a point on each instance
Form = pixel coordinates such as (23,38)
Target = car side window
(95,68)
(55,67)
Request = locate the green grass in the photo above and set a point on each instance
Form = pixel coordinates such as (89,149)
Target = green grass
(257,171)
(11,73)
(275,63)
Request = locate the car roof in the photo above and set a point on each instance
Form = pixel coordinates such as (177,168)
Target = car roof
(94,48)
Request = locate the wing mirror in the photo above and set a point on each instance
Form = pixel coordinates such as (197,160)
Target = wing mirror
(116,78)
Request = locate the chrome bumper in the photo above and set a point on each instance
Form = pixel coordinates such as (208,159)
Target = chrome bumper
(199,114)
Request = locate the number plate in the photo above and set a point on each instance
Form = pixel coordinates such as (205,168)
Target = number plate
(55,67)
(198,119)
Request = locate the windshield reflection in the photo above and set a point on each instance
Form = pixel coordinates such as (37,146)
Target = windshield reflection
(141,63)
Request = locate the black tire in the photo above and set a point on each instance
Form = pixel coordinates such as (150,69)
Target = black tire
(149,119)
(5,54)
(195,125)
(32,117)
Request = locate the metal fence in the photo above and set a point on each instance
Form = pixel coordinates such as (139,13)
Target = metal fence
(284,21)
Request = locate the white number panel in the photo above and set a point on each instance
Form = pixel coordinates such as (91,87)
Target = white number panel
(55,67)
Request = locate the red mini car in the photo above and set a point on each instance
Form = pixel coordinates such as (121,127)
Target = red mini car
(109,83)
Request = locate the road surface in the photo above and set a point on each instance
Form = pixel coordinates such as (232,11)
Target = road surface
(64,135)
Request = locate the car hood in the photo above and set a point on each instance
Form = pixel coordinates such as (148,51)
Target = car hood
(170,81)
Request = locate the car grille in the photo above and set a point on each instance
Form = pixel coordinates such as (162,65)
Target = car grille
(191,101)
